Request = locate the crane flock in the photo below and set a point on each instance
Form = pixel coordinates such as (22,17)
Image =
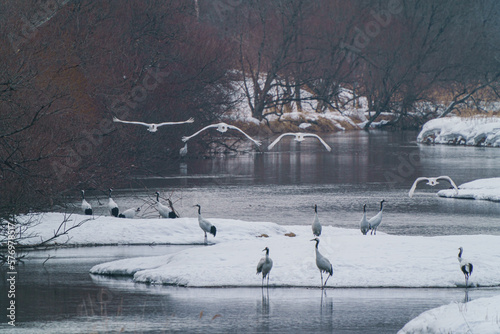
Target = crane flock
(265,264)
(222,128)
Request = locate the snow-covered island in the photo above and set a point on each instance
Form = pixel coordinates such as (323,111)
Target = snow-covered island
(231,259)
(484,189)
(473,131)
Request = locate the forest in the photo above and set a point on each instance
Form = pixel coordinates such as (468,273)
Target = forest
(67,67)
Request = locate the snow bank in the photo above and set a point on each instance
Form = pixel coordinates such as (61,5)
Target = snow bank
(475,131)
(358,261)
(485,189)
(107,230)
(478,316)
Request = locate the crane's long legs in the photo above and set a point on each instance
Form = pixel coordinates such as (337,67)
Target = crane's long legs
(206,238)
(327,280)
(321,273)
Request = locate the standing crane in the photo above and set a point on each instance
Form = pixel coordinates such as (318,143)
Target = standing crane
(323,264)
(264,266)
(364,225)
(205,225)
(465,266)
(113,207)
(375,221)
(86,207)
(316,225)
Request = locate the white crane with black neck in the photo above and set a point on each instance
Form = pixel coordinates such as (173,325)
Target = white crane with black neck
(264,266)
(205,225)
(375,221)
(86,207)
(112,206)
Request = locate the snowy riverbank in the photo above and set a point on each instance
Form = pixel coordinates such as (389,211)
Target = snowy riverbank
(472,131)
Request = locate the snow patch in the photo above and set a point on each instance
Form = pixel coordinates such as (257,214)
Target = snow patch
(473,131)
(389,261)
(478,316)
(483,189)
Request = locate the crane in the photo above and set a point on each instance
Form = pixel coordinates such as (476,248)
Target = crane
(86,207)
(113,207)
(300,137)
(432,181)
(316,225)
(375,221)
(323,264)
(221,127)
(152,127)
(364,225)
(465,266)
(205,225)
(264,266)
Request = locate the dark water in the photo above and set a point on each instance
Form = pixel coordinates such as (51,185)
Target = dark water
(279,186)
(283,185)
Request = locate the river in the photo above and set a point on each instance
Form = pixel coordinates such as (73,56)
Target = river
(55,293)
